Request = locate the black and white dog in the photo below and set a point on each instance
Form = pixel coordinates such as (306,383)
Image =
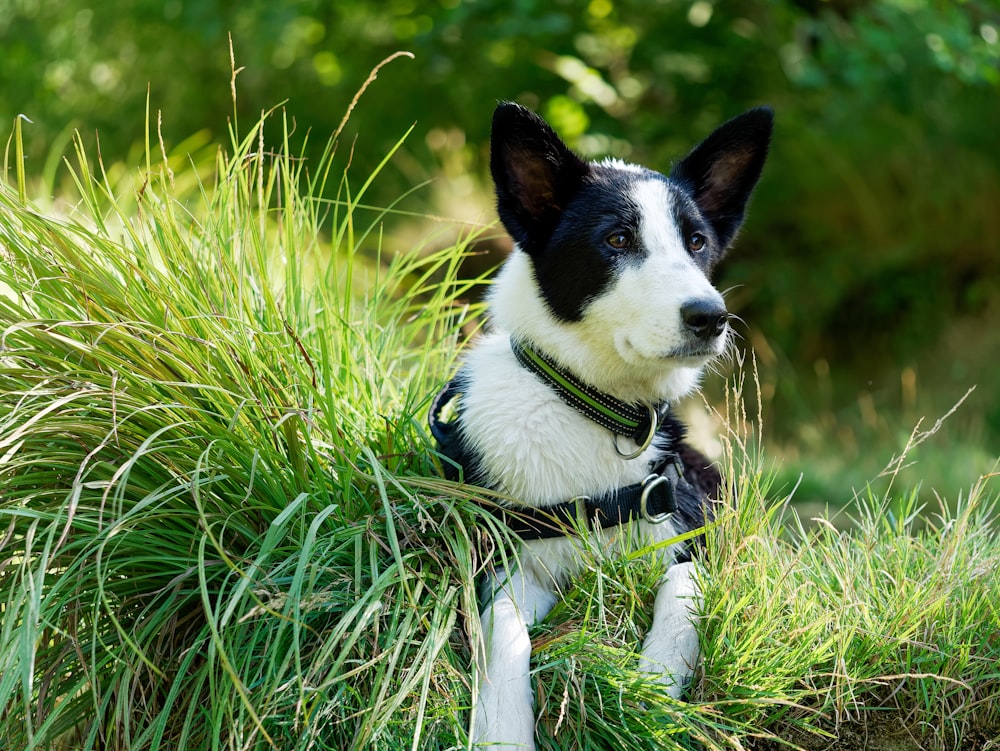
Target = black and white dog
(601,318)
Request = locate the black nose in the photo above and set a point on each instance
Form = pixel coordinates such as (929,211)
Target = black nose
(705,318)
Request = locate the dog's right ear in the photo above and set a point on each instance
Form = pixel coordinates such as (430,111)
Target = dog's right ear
(722,170)
(535,174)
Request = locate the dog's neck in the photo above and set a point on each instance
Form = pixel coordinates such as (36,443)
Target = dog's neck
(581,348)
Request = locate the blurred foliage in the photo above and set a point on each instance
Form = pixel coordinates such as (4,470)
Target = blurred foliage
(870,265)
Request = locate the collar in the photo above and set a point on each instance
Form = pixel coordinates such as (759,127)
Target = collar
(635,421)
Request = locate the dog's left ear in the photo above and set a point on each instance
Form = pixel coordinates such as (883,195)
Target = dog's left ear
(534,172)
(722,170)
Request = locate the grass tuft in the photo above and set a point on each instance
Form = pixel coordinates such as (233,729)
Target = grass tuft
(814,627)
(202,430)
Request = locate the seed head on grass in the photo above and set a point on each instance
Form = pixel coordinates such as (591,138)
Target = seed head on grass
(815,628)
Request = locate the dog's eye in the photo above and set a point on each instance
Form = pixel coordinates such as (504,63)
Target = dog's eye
(619,239)
(697,242)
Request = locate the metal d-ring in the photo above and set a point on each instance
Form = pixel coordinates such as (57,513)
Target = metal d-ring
(653,420)
(648,484)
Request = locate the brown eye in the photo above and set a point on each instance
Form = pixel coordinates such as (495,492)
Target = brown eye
(697,242)
(619,239)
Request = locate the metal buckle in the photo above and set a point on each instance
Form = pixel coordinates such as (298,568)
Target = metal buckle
(654,420)
(648,484)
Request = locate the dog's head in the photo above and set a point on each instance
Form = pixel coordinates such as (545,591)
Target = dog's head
(611,271)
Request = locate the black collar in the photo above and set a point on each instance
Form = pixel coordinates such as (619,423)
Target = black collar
(634,421)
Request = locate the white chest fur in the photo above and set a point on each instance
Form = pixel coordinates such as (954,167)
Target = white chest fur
(534,446)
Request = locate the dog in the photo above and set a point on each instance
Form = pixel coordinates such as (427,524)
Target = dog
(601,318)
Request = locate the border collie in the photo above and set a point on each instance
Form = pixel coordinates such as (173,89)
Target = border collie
(602,317)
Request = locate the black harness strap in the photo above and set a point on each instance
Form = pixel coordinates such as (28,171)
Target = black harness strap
(449,441)
(652,499)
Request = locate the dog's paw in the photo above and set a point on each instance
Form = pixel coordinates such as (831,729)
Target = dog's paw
(671,649)
(676,679)
(503,716)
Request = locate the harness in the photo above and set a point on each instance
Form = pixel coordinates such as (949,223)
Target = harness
(652,500)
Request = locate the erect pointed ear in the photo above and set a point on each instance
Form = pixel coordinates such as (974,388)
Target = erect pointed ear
(722,170)
(535,174)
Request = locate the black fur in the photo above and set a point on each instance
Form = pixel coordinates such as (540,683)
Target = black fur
(720,173)
(534,172)
(575,264)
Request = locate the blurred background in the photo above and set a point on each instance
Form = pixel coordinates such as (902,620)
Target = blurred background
(868,273)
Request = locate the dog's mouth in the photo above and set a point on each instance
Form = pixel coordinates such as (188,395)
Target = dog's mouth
(691,354)
(696,351)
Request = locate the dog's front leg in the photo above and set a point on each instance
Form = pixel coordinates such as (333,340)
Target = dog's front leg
(502,714)
(671,648)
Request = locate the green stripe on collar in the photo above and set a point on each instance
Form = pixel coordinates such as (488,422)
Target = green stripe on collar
(637,422)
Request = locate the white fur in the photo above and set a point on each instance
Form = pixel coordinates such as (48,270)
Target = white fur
(539,450)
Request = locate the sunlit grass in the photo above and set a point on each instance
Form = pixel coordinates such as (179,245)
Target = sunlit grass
(894,616)
(221,527)
(201,430)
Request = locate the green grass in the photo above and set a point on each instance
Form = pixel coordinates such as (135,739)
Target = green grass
(221,525)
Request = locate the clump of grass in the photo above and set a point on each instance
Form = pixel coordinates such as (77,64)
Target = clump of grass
(204,540)
(220,527)
(816,627)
